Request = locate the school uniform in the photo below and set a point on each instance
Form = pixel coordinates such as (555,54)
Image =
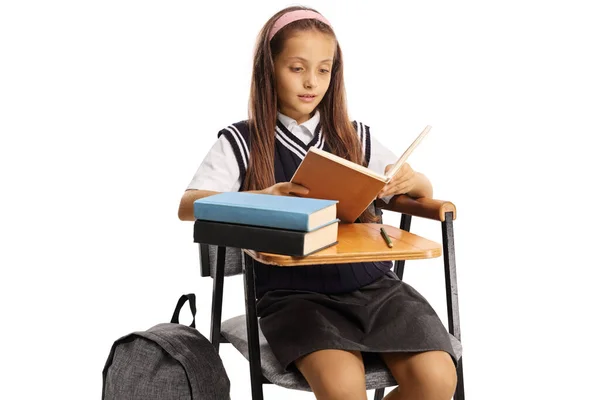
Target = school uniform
(352,306)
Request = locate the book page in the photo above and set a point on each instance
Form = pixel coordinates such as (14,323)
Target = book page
(347,163)
(396,167)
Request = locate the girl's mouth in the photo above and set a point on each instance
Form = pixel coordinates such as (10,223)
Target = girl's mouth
(307,97)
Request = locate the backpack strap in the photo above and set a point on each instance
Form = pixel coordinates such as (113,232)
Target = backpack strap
(192,298)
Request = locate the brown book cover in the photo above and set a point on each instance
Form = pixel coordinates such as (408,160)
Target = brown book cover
(330,177)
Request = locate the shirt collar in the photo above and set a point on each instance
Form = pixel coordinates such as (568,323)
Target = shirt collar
(311,124)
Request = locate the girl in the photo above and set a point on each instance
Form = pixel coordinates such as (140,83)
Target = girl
(322,320)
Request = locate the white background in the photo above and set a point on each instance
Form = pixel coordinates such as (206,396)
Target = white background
(108,107)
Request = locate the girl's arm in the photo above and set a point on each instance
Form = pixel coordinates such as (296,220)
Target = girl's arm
(406,181)
(218,172)
(409,182)
(186,205)
(422,187)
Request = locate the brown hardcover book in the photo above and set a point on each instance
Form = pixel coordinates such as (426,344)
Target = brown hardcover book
(330,177)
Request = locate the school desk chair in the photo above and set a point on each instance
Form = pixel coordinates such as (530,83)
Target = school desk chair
(219,262)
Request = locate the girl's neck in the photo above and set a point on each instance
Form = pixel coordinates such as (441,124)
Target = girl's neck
(300,119)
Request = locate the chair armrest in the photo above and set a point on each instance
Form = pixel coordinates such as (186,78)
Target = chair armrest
(422,207)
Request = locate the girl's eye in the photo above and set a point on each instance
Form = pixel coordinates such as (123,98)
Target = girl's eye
(298,69)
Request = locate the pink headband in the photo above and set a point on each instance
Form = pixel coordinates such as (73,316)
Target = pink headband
(295,16)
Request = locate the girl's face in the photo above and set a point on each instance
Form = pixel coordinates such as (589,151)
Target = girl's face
(303,73)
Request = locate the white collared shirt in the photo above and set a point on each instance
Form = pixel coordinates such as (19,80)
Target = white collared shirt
(219,171)
(305,131)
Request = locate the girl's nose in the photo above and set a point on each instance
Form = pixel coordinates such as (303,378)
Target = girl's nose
(311,82)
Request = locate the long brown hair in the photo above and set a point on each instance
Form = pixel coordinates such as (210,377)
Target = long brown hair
(338,131)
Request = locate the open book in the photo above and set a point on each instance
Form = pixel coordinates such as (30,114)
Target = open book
(330,177)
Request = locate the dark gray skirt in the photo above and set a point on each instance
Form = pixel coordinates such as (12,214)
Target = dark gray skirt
(387,315)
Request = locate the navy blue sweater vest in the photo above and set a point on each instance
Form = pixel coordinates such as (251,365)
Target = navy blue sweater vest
(289,152)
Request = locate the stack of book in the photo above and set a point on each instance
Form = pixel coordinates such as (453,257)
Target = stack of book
(295,226)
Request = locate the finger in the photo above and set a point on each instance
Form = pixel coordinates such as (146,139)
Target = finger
(394,190)
(295,188)
(385,193)
(401,176)
(401,183)
(403,189)
(385,189)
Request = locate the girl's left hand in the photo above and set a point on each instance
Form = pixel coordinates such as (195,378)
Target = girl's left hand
(403,182)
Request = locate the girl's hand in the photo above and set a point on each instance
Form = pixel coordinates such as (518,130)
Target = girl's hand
(403,182)
(284,189)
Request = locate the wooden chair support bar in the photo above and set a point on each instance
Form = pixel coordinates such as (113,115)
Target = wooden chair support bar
(422,207)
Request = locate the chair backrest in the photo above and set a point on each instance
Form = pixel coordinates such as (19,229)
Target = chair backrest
(208,260)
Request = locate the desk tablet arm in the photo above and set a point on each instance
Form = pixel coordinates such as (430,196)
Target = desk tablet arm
(422,207)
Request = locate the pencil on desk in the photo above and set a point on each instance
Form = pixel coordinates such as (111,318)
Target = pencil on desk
(386,237)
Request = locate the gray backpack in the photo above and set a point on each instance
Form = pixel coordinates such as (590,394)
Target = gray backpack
(168,361)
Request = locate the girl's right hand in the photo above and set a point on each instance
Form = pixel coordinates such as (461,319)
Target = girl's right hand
(284,189)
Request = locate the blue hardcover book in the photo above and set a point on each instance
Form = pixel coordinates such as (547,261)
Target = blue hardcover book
(283,212)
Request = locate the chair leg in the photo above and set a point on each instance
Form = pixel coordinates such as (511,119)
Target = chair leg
(379,394)
(256,376)
(204,259)
(452,294)
(459,394)
(217,300)
(405,226)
